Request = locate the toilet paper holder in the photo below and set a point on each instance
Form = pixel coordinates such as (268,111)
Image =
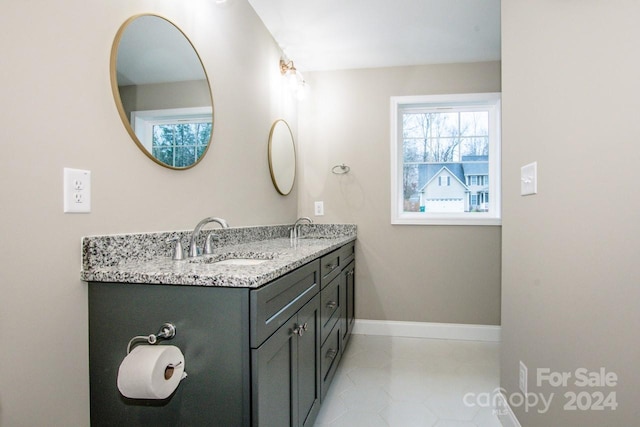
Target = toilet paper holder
(166,332)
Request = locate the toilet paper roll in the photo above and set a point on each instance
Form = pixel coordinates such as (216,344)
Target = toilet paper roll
(151,372)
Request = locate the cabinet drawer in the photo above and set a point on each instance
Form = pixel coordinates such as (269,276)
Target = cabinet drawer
(347,253)
(273,304)
(330,354)
(330,266)
(330,307)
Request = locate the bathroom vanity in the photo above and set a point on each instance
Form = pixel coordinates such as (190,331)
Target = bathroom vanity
(262,323)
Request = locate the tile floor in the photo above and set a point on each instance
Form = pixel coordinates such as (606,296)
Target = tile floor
(406,382)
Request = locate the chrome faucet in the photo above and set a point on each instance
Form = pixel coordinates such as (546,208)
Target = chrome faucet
(193,247)
(296,225)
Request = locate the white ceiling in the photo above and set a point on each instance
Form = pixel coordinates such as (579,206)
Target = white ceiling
(349,34)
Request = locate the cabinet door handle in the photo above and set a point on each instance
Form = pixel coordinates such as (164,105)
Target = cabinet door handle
(331,305)
(331,354)
(299,329)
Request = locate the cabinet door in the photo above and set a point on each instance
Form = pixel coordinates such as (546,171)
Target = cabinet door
(273,380)
(286,372)
(349,301)
(309,363)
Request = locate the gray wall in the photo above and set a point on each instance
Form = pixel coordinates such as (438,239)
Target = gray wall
(570,294)
(445,274)
(58,111)
(159,96)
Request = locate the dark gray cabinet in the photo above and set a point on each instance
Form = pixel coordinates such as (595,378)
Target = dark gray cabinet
(286,379)
(337,309)
(285,341)
(254,357)
(212,325)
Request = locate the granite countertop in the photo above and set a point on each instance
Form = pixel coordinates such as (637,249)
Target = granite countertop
(129,262)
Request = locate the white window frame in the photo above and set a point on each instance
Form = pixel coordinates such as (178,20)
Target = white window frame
(144,120)
(492,102)
(447,182)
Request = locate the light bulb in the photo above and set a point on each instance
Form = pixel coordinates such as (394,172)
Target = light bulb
(302,90)
(292,79)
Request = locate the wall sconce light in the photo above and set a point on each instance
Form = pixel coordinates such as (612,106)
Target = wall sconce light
(287,67)
(297,83)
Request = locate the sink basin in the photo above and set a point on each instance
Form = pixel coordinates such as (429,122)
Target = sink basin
(240,261)
(235,258)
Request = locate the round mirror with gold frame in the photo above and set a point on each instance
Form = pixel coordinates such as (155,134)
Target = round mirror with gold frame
(162,91)
(282,157)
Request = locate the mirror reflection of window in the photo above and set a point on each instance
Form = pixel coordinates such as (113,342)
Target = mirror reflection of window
(176,137)
(180,144)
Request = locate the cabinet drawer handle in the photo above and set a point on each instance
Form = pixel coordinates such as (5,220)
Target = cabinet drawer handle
(331,266)
(331,305)
(331,354)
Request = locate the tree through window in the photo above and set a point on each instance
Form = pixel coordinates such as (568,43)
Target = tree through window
(180,144)
(177,137)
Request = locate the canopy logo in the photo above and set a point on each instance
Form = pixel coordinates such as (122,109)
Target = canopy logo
(595,396)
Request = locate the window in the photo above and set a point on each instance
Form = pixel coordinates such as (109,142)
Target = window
(176,137)
(445,159)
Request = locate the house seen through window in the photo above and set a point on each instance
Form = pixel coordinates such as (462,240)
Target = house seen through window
(445,159)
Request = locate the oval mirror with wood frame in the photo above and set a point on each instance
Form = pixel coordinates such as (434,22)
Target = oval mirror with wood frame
(162,91)
(282,157)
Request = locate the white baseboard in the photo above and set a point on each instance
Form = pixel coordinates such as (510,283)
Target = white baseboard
(505,414)
(449,331)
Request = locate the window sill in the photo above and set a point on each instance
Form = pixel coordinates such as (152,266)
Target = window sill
(434,220)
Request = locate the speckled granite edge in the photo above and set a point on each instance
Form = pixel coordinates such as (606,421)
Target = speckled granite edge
(280,257)
(145,257)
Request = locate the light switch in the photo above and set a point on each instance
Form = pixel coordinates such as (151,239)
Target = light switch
(529,179)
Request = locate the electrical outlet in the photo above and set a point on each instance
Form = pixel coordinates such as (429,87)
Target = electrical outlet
(522,382)
(77,191)
(529,179)
(318,208)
